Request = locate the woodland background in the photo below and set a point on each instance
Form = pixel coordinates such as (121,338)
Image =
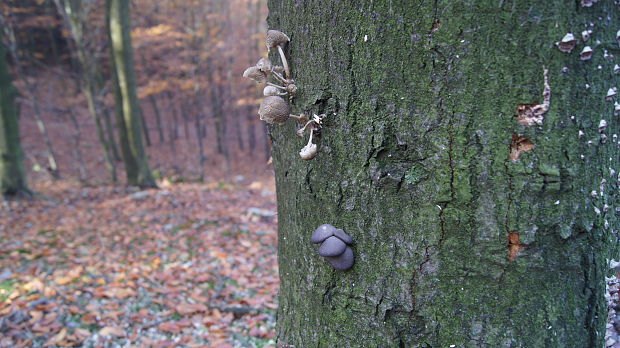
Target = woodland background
(89,261)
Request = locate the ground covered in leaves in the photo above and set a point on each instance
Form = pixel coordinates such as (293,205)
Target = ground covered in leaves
(188,265)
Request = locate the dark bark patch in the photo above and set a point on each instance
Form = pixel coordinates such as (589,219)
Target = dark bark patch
(518,145)
(514,247)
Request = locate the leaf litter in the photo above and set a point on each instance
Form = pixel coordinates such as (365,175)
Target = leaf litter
(188,265)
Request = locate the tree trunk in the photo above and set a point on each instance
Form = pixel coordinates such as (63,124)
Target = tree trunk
(128,109)
(12,177)
(75,16)
(160,127)
(471,228)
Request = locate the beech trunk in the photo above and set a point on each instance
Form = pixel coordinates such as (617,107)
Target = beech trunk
(471,229)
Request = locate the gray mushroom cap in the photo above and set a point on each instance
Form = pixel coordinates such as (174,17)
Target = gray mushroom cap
(343,236)
(276,37)
(274,109)
(332,246)
(342,262)
(322,233)
(255,74)
(264,65)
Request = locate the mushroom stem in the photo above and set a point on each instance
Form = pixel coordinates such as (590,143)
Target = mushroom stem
(276,86)
(310,140)
(287,72)
(307,124)
(300,118)
(279,77)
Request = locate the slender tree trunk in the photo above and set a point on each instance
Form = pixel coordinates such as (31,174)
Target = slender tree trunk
(128,109)
(145,129)
(173,124)
(472,227)
(77,152)
(74,17)
(160,127)
(29,89)
(109,131)
(202,158)
(12,175)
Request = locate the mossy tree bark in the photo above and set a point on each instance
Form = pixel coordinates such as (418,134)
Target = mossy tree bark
(12,177)
(128,110)
(455,243)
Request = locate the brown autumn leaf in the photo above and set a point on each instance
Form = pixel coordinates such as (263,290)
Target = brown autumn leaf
(169,326)
(112,331)
(36,316)
(190,308)
(56,339)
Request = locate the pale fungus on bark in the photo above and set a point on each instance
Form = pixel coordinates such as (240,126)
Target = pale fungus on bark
(586,53)
(585,35)
(616,69)
(616,108)
(611,94)
(602,125)
(309,151)
(568,43)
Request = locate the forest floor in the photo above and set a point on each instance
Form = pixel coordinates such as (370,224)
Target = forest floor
(190,265)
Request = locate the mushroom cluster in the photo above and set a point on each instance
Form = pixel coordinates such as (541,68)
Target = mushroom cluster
(274,109)
(335,246)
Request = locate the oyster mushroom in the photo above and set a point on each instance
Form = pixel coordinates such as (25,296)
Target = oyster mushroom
(343,236)
(342,262)
(332,246)
(322,233)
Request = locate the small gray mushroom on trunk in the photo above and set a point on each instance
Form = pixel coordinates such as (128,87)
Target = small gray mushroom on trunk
(275,110)
(255,74)
(275,39)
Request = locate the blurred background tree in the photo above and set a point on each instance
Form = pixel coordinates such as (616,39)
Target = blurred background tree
(195,118)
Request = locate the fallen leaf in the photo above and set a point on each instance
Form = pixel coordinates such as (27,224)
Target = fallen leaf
(112,331)
(169,326)
(56,339)
(190,308)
